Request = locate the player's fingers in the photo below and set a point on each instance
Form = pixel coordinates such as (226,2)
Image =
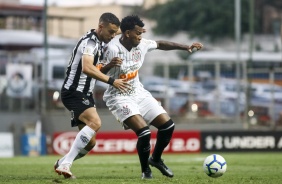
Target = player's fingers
(126,86)
(118,63)
(117,59)
(123,85)
(123,88)
(199,46)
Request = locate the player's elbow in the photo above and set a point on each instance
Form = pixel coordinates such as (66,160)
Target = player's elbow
(87,64)
(85,69)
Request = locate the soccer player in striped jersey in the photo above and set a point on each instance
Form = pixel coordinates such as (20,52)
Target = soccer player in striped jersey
(77,89)
(136,109)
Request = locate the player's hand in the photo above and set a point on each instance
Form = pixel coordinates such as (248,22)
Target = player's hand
(116,61)
(195,45)
(122,85)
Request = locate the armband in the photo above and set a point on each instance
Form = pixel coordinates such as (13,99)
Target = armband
(111,81)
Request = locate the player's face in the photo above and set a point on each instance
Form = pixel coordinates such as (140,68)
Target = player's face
(135,36)
(108,32)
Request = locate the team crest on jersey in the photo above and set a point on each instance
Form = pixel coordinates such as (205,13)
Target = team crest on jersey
(85,101)
(87,50)
(136,56)
(125,110)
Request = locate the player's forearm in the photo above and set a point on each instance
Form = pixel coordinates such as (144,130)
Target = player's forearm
(96,74)
(166,45)
(90,70)
(106,68)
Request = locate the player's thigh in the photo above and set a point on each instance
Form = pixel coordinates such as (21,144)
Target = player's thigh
(160,120)
(91,118)
(135,122)
(123,108)
(152,111)
(76,102)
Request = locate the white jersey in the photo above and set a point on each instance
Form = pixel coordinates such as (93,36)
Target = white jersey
(137,100)
(132,62)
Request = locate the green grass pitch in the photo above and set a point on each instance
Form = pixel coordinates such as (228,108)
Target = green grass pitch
(254,168)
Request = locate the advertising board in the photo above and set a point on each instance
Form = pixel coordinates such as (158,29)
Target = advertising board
(125,142)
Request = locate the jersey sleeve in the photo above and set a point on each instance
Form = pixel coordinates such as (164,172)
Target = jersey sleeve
(150,44)
(91,48)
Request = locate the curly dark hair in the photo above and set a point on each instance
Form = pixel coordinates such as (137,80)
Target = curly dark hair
(129,22)
(109,18)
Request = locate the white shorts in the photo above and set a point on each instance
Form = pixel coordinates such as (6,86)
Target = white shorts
(123,107)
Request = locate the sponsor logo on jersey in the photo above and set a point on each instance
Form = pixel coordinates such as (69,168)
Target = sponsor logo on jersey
(129,76)
(87,51)
(85,101)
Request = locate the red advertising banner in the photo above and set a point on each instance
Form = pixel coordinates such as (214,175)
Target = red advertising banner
(125,142)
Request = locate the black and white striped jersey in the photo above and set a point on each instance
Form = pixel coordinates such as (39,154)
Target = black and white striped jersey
(75,79)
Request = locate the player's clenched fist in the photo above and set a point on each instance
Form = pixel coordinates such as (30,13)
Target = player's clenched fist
(196,46)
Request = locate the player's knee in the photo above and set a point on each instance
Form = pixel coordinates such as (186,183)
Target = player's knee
(144,136)
(167,125)
(143,132)
(93,122)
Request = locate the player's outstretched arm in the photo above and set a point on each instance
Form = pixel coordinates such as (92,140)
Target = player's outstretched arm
(166,45)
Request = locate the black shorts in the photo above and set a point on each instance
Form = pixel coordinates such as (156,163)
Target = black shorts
(76,102)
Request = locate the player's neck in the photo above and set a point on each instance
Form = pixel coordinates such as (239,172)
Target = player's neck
(97,31)
(125,43)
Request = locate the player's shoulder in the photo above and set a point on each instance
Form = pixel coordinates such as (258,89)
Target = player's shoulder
(90,35)
(113,45)
(114,42)
(94,38)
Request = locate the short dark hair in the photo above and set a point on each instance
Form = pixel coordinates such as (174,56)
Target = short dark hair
(109,18)
(129,22)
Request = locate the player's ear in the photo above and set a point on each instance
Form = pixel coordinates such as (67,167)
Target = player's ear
(126,33)
(101,25)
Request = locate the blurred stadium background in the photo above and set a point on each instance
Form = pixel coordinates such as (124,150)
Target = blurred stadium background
(232,89)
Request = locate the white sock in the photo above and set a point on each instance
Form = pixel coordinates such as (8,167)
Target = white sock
(81,154)
(61,160)
(81,140)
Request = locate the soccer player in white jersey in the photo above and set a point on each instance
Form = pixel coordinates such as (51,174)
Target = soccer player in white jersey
(77,89)
(136,109)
